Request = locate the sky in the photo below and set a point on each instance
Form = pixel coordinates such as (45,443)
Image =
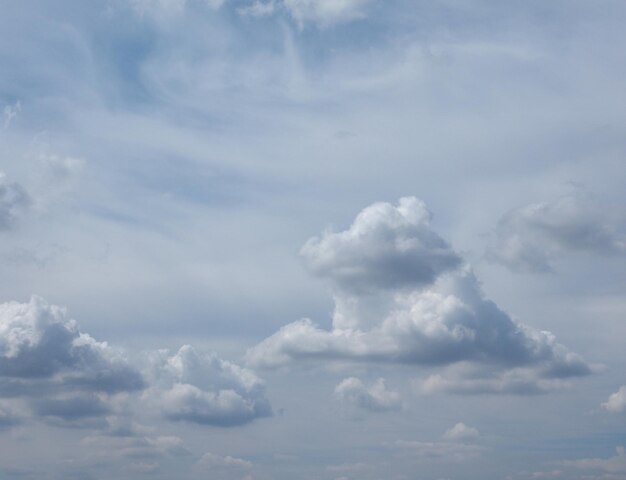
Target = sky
(312,239)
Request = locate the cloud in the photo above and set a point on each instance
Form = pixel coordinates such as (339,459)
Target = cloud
(443,451)
(386,247)
(223,467)
(39,342)
(426,314)
(206,390)
(531,238)
(461,432)
(470,379)
(374,398)
(326,12)
(14,201)
(617,401)
(10,112)
(613,465)
(8,418)
(59,373)
(258,9)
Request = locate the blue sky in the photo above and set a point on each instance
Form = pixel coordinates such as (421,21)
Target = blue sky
(317,239)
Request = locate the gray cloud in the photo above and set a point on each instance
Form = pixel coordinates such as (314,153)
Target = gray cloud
(442,322)
(374,398)
(62,375)
(531,238)
(206,390)
(8,418)
(14,201)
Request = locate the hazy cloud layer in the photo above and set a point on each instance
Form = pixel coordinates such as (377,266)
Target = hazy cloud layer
(433,315)
(615,465)
(374,398)
(326,12)
(14,201)
(530,238)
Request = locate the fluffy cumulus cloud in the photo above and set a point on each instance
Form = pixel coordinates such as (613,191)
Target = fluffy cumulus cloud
(403,296)
(532,237)
(617,401)
(326,12)
(14,201)
(386,247)
(374,398)
(62,373)
(207,390)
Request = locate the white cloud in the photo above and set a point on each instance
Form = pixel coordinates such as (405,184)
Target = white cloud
(461,432)
(14,201)
(386,247)
(395,312)
(531,238)
(617,401)
(59,373)
(326,12)
(39,342)
(206,390)
(374,397)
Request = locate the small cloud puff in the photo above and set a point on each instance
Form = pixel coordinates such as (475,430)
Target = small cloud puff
(617,401)
(374,398)
(461,432)
(206,390)
(531,238)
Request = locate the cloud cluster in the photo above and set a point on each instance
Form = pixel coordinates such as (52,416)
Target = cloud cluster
(14,201)
(402,296)
(374,398)
(532,237)
(207,390)
(66,376)
(617,401)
